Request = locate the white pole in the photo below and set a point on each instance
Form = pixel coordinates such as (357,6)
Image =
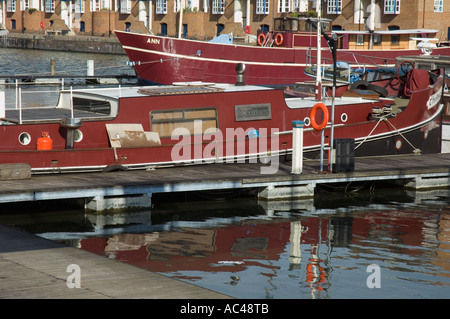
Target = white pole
(2,104)
(90,67)
(319,53)
(297,147)
(180,25)
(20,105)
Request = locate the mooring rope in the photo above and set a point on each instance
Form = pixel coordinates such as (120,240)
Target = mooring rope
(384,118)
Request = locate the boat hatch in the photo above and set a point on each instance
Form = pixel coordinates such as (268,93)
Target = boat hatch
(179,90)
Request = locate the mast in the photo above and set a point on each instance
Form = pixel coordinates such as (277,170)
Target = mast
(318,89)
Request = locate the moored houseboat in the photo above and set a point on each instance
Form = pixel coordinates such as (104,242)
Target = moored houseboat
(279,55)
(197,123)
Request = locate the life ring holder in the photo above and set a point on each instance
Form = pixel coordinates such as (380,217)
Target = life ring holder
(279,39)
(314,124)
(261,38)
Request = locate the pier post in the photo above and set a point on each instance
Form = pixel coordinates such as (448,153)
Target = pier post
(52,66)
(90,67)
(297,147)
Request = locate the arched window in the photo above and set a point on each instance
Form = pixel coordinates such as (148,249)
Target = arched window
(164,29)
(220,28)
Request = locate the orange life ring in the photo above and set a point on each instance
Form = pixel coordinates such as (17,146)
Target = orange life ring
(324,109)
(278,39)
(261,38)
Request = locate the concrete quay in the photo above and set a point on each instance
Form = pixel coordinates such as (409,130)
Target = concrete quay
(36,268)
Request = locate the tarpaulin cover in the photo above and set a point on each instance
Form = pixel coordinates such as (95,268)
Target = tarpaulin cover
(416,79)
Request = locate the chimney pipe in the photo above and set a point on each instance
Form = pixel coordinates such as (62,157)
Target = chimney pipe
(240,69)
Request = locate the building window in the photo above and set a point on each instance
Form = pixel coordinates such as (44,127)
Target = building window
(218,7)
(125,6)
(438,5)
(164,29)
(284,6)
(391,6)
(49,5)
(262,6)
(11,6)
(161,6)
(79,6)
(176,6)
(334,6)
(26,4)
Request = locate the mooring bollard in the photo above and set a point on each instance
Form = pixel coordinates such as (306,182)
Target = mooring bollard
(90,67)
(52,66)
(297,147)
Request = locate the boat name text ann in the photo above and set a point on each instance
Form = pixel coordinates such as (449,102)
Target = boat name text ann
(153,40)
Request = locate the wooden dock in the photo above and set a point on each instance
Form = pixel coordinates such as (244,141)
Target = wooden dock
(135,188)
(34,267)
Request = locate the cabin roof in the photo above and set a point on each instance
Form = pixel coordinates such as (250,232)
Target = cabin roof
(167,90)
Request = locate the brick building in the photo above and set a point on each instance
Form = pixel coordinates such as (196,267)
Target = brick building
(204,19)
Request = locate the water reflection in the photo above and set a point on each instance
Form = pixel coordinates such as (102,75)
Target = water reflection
(300,249)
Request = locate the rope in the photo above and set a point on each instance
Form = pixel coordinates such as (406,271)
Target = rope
(384,118)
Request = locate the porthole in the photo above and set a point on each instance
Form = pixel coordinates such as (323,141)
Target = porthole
(344,117)
(307,121)
(24,138)
(77,136)
(398,144)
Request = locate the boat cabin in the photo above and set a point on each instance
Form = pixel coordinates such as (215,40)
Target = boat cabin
(290,32)
(401,39)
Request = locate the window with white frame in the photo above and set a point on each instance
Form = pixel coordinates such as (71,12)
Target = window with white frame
(125,6)
(96,5)
(10,5)
(49,5)
(284,5)
(161,6)
(176,5)
(26,4)
(438,5)
(79,6)
(334,6)
(391,6)
(262,6)
(218,6)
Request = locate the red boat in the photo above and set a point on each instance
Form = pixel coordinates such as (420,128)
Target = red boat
(278,57)
(195,123)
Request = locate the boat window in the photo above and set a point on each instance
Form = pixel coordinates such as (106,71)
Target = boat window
(195,120)
(103,107)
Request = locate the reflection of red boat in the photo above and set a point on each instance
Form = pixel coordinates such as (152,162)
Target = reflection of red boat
(141,127)
(281,57)
(235,247)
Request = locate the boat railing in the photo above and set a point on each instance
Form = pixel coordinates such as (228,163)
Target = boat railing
(42,99)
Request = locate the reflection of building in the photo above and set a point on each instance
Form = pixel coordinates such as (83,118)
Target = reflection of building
(207,18)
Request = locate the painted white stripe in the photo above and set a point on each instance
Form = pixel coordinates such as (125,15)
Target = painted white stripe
(197,58)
